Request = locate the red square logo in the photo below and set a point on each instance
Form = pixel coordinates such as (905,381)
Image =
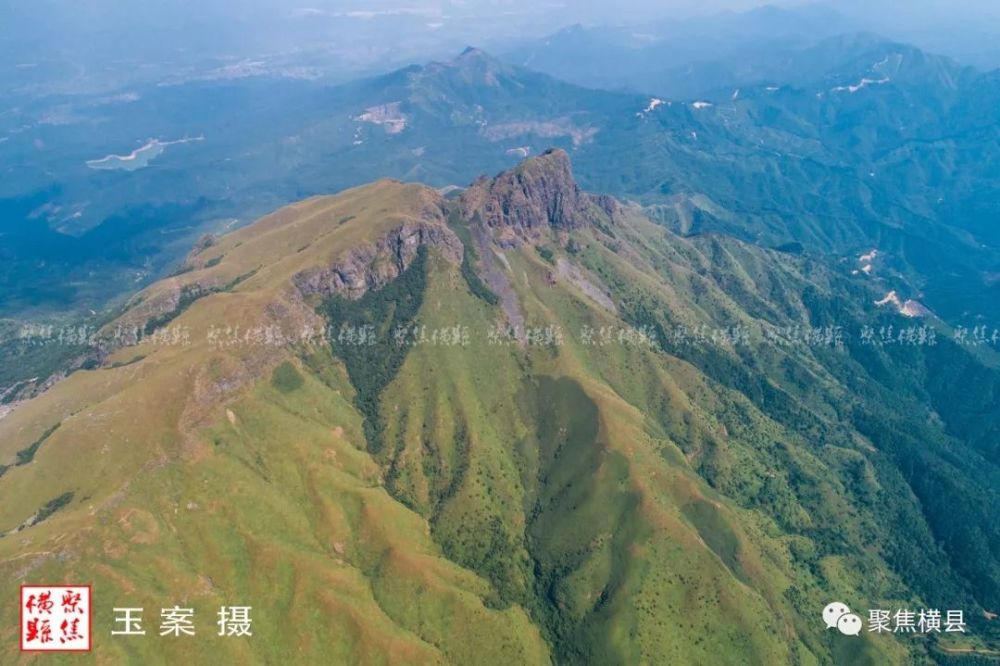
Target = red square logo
(55,618)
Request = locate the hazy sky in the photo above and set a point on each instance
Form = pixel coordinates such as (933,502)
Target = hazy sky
(904,10)
(97,36)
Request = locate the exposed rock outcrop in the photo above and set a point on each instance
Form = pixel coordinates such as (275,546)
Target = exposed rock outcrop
(373,266)
(540,191)
(909,308)
(609,205)
(389,117)
(539,194)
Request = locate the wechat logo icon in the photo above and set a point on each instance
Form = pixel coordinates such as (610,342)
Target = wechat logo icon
(838,616)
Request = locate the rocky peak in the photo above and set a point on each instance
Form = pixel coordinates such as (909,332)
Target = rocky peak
(541,192)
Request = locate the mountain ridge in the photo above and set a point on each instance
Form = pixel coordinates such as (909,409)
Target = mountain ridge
(766,158)
(350,410)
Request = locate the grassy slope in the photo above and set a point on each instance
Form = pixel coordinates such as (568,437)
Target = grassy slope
(845,507)
(620,552)
(605,505)
(206,474)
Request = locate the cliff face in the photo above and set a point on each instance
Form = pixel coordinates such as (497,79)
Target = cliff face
(373,266)
(539,193)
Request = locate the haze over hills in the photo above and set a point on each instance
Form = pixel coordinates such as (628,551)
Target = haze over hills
(264,143)
(502,449)
(689,57)
(682,55)
(873,145)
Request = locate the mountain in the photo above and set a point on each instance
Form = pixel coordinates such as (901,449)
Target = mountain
(694,56)
(891,130)
(232,149)
(685,58)
(520,422)
(968,36)
(861,144)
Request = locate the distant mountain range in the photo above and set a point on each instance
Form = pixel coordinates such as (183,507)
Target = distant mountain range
(687,58)
(855,144)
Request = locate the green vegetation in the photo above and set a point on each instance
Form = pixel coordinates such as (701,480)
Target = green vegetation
(239,279)
(189,295)
(52,506)
(373,362)
(690,501)
(469,259)
(717,535)
(476,284)
(34,359)
(546,254)
(286,378)
(580,499)
(132,361)
(27,454)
